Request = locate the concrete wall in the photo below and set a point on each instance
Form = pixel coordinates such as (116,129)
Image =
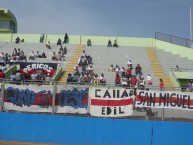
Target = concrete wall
(71,130)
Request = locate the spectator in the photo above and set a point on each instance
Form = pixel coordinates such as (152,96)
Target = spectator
(89,43)
(133,81)
(141,83)
(69,78)
(161,85)
(42,38)
(34,76)
(54,56)
(129,62)
(115,44)
(12,77)
(17,40)
(102,79)
(138,70)
(96,79)
(2,75)
(65,50)
(32,56)
(111,68)
(117,79)
(48,45)
(66,38)
(43,55)
(47,79)
(189,86)
(177,68)
(59,42)
(149,79)
(109,43)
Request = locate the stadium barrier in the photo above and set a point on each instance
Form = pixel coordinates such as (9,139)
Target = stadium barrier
(91,100)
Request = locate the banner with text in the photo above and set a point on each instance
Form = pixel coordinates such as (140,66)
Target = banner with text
(164,99)
(113,102)
(39,99)
(27,68)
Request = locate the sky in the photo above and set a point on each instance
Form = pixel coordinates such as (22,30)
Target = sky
(127,18)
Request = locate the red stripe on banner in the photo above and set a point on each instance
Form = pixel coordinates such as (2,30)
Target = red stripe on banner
(98,102)
(172,99)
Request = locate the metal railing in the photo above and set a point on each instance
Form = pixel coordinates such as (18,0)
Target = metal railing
(174,39)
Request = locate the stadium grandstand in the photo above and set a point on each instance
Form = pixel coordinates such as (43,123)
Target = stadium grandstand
(70,78)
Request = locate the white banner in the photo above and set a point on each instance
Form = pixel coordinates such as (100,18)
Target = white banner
(113,102)
(39,99)
(164,99)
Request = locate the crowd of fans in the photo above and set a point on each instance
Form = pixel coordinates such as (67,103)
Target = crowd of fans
(130,76)
(84,73)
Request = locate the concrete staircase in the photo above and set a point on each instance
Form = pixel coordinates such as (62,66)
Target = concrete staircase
(73,61)
(157,68)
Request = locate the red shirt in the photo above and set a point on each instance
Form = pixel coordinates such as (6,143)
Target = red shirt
(161,84)
(2,75)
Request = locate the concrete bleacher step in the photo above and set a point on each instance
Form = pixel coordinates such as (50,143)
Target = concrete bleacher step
(157,67)
(72,63)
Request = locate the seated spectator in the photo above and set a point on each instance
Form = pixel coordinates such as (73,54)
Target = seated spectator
(17,40)
(177,68)
(189,86)
(133,81)
(54,56)
(48,79)
(34,76)
(48,45)
(96,79)
(59,42)
(12,78)
(32,56)
(129,73)
(102,79)
(129,63)
(138,70)
(65,50)
(124,81)
(109,43)
(37,55)
(149,79)
(141,83)
(115,44)
(18,76)
(69,78)
(89,42)
(117,79)
(66,38)
(22,40)
(2,75)
(112,68)
(43,55)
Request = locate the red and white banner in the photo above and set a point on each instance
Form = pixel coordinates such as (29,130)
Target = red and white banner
(164,99)
(39,99)
(113,102)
